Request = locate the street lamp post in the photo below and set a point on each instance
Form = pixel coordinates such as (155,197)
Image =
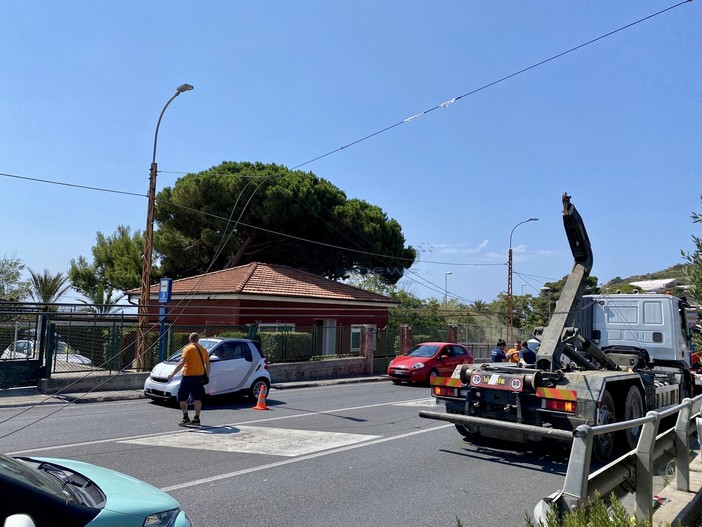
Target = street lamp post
(509,280)
(547,290)
(446,275)
(148,245)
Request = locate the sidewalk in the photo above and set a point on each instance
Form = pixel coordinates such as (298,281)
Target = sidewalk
(23,397)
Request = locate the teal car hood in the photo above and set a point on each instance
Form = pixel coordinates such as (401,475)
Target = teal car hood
(125,494)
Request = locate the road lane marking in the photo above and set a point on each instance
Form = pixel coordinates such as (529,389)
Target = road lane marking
(255,440)
(419,402)
(252,421)
(220,477)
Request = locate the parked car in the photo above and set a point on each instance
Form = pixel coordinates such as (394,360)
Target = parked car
(236,366)
(20,349)
(27,349)
(427,360)
(56,492)
(65,353)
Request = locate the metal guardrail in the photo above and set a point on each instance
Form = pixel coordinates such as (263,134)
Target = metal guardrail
(633,472)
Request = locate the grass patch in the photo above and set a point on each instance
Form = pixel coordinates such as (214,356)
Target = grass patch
(598,514)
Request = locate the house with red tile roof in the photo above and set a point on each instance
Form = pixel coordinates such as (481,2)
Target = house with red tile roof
(271,297)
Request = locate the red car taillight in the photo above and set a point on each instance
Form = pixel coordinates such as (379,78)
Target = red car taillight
(445,391)
(560,406)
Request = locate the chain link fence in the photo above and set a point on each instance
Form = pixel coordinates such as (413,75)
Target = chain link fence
(76,341)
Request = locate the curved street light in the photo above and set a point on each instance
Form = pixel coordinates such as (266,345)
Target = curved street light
(148,243)
(509,279)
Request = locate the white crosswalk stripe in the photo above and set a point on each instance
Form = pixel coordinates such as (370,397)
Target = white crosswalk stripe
(253,440)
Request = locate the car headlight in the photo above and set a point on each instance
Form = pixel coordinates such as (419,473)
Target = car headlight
(417,365)
(161,519)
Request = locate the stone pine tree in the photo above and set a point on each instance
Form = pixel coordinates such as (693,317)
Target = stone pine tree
(237,213)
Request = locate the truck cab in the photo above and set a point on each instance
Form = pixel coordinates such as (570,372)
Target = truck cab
(627,322)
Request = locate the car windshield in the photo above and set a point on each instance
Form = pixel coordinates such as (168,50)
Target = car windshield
(422,350)
(25,473)
(208,344)
(64,348)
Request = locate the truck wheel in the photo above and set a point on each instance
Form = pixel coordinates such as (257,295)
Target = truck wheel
(603,444)
(633,409)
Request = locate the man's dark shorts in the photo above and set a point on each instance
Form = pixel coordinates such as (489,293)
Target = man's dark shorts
(191,385)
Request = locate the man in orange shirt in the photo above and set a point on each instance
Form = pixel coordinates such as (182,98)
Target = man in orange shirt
(513,354)
(195,363)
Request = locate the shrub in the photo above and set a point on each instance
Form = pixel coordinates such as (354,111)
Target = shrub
(287,346)
(598,514)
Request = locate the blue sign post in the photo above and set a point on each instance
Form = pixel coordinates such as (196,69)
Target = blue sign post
(164,296)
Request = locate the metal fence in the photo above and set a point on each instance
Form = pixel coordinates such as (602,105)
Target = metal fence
(73,339)
(488,334)
(634,470)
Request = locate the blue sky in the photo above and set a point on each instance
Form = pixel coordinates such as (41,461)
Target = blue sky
(616,124)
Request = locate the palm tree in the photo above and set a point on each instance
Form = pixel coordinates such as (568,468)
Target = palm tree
(100,300)
(480,306)
(47,288)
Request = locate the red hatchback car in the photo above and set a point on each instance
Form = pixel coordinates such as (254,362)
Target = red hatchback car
(427,360)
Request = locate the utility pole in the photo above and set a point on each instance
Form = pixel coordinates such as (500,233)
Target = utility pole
(509,279)
(148,246)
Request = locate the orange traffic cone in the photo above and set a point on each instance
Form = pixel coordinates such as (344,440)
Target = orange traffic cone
(261,404)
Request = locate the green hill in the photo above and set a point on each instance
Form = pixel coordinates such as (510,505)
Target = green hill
(676,272)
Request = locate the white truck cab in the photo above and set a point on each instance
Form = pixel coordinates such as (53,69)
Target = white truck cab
(655,322)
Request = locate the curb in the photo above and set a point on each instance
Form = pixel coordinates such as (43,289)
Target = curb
(27,397)
(326,382)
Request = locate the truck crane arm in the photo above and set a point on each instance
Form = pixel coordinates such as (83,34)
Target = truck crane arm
(554,338)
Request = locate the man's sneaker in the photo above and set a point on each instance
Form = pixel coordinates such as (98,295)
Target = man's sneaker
(195,421)
(185,421)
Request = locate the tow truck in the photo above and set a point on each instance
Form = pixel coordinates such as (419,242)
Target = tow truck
(601,359)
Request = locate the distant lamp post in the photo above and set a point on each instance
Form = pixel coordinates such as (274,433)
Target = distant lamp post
(547,291)
(509,279)
(148,245)
(446,275)
(523,289)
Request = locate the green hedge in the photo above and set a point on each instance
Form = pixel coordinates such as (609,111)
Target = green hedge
(286,347)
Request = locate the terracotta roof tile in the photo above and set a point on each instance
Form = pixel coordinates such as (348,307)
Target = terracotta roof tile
(273,280)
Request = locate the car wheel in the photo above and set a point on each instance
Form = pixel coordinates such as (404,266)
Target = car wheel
(256,388)
(395,381)
(432,375)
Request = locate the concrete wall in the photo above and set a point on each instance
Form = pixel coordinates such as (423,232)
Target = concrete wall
(316,370)
(102,381)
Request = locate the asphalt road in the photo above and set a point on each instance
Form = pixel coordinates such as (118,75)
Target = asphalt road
(354,454)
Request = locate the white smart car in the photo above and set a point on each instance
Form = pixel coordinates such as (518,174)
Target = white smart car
(236,366)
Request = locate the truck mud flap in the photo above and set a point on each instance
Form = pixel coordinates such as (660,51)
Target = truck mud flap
(502,429)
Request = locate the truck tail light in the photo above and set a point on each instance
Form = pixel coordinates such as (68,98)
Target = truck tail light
(560,406)
(446,391)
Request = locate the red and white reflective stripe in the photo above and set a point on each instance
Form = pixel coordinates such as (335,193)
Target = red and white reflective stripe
(557,393)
